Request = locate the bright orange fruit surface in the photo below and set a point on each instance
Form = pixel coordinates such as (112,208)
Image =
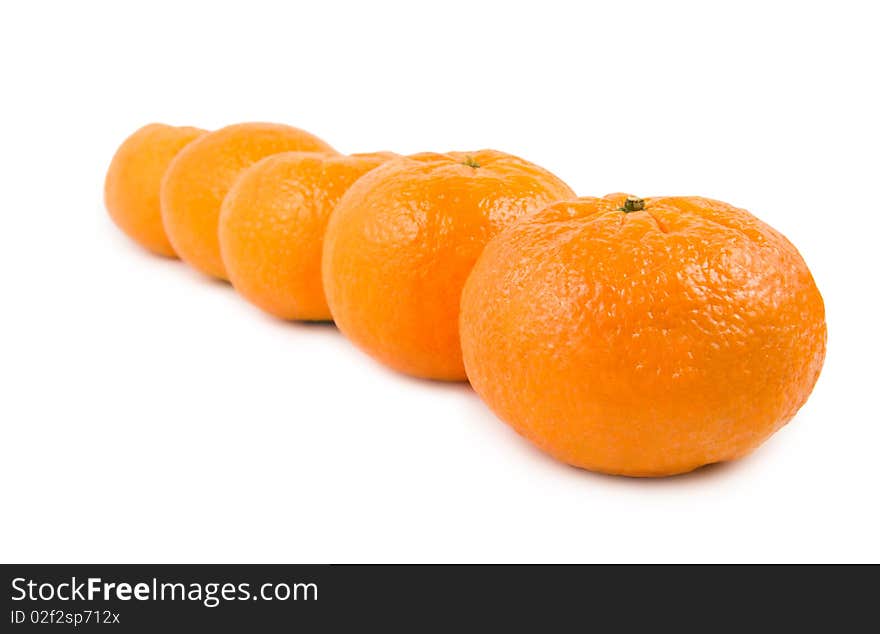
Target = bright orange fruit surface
(643,338)
(402,241)
(272,225)
(200,176)
(131,188)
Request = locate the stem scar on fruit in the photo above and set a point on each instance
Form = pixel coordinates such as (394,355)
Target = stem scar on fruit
(631,204)
(470,162)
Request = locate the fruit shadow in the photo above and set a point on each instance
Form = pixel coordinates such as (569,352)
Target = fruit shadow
(706,473)
(460,387)
(216,282)
(325,325)
(477,409)
(202,278)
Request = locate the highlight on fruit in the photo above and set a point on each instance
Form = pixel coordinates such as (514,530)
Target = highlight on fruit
(625,335)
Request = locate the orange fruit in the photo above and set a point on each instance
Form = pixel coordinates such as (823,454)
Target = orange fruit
(199,177)
(402,241)
(131,188)
(643,338)
(272,225)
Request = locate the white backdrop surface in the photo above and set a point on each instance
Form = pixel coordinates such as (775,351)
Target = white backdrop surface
(149,414)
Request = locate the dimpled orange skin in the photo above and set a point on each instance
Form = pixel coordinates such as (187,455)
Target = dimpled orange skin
(200,176)
(131,188)
(646,343)
(402,241)
(272,225)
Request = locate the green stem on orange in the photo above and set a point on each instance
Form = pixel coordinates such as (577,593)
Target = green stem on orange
(470,162)
(632,203)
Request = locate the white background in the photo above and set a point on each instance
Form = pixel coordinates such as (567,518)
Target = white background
(149,414)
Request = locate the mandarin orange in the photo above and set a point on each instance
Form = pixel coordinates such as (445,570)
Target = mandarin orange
(272,225)
(200,176)
(643,337)
(402,241)
(131,188)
